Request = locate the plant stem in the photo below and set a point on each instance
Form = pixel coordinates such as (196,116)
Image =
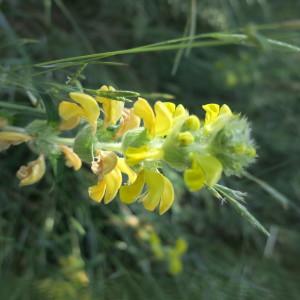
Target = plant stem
(109,146)
(14,128)
(65,141)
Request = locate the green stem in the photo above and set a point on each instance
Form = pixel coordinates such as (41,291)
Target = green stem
(109,146)
(22,109)
(14,129)
(64,141)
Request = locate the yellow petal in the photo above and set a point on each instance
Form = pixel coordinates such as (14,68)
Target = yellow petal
(136,155)
(155,183)
(105,88)
(175,265)
(70,123)
(96,192)
(112,108)
(181,246)
(225,110)
(124,168)
(143,109)
(212,112)
(185,138)
(90,107)
(170,106)
(180,114)
(167,197)
(192,123)
(211,167)
(129,121)
(194,179)
(130,193)
(8,138)
(70,114)
(163,120)
(72,159)
(104,163)
(180,111)
(14,137)
(69,110)
(113,182)
(156,246)
(33,172)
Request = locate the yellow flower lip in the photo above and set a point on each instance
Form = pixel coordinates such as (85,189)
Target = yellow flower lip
(9,138)
(158,124)
(143,110)
(192,123)
(185,138)
(205,170)
(32,172)
(86,107)
(160,191)
(112,108)
(216,116)
(128,122)
(109,181)
(72,159)
(104,162)
(138,154)
(175,254)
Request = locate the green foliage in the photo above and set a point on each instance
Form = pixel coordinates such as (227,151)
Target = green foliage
(83,144)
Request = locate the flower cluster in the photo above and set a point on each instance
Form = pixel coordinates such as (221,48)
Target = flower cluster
(128,148)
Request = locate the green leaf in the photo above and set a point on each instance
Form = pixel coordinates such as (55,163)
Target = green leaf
(23,109)
(51,108)
(221,192)
(135,138)
(84,143)
(282,199)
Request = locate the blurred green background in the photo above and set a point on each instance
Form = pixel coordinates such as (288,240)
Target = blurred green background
(56,244)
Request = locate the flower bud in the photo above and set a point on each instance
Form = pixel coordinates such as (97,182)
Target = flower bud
(104,163)
(192,123)
(33,172)
(234,147)
(185,138)
(112,108)
(128,122)
(72,159)
(8,139)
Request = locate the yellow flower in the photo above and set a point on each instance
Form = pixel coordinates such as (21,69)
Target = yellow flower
(104,162)
(9,138)
(134,155)
(158,124)
(110,182)
(85,107)
(205,170)
(160,191)
(192,123)
(185,138)
(175,255)
(33,172)
(112,108)
(107,187)
(216,116)
(156,246)
(128,121)
(72,159)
